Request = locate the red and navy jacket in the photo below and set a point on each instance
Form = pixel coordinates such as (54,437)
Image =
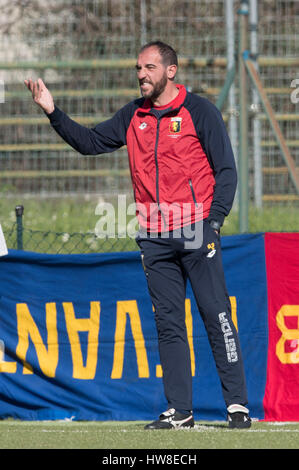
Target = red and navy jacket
(180,156)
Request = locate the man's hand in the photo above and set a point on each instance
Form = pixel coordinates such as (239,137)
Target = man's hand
(41,94)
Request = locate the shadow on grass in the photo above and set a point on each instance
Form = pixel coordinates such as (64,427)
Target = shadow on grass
(198,425)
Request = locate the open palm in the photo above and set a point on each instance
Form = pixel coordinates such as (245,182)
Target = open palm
(40,94)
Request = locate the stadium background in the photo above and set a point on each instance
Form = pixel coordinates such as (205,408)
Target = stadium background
(86,54)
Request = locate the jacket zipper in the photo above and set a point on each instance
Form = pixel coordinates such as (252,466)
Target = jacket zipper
(192,191)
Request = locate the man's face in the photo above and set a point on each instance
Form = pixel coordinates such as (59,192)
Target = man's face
(151,73)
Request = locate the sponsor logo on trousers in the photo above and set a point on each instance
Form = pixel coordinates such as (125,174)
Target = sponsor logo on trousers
(230,344)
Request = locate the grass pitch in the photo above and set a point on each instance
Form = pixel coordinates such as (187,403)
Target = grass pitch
(131,435)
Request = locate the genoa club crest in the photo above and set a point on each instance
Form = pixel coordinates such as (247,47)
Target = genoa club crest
(175,125)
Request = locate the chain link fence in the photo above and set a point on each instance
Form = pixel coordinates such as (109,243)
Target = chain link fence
(65,243)
(86,52)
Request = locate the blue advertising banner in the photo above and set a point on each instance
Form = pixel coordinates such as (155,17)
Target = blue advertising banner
(80,340)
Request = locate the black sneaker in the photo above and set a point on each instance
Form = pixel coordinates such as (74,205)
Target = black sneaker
(238,417)
(172,419)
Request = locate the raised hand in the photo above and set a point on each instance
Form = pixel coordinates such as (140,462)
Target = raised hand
(41,94)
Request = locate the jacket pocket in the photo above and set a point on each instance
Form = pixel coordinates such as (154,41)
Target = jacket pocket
(192,191)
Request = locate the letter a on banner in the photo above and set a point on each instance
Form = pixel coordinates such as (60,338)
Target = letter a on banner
(47,357)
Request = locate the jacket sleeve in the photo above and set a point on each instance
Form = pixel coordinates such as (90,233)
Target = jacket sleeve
(103,138)
(217,146)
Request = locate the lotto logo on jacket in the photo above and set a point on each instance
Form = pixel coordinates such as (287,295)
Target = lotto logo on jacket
(175,125)
(171,160)
(179,154)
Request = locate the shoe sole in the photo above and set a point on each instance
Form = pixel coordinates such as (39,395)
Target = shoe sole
(159,426)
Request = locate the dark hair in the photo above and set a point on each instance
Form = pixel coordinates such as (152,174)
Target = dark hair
(168,54)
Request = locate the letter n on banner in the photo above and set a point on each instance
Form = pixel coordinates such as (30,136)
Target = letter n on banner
(129,308)
(47,356)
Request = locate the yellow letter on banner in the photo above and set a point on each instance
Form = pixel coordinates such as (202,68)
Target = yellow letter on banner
(47,358)
(189,326)
(123,308)
(287,334)
(92,325)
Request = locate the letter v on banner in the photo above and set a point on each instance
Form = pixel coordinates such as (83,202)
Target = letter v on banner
(129,309)
(281,399)
(91,325)
(3,247)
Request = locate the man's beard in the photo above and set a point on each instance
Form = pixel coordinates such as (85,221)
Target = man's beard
(156,90)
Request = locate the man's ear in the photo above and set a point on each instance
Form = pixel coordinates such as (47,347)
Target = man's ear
(171,71)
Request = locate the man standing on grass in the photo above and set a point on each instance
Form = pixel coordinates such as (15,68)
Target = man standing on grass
(184,181)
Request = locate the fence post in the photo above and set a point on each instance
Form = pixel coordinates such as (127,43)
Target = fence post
(243,135)
(19,216)
(289,160)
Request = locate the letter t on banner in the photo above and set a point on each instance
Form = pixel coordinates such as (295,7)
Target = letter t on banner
(281,399)
(3,247)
